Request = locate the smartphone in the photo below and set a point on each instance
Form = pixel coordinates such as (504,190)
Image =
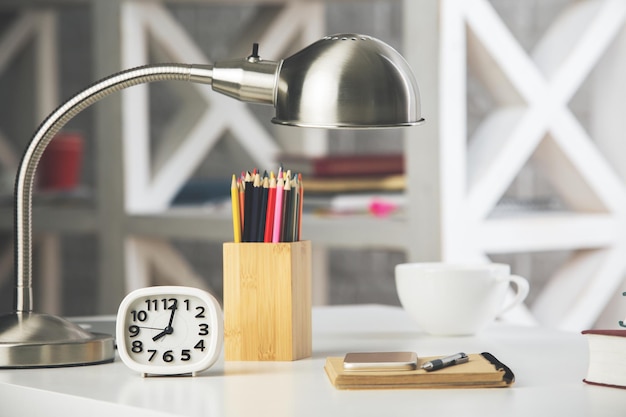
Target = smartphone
(380,361)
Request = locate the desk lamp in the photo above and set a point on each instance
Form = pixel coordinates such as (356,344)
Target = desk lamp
(341,81)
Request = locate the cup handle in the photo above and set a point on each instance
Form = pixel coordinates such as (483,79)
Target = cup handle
(522,286)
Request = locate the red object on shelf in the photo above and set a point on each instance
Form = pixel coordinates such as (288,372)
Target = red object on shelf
(61,162)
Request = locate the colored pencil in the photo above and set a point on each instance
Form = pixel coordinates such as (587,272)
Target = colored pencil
(260,236)
(267,208)
(301,188)
(240,185)
(295,209)
(255,208)
(278,208)
(247,217)
(234,194)
(287,213)
(271,202)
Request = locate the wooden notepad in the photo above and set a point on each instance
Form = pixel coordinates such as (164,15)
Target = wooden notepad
(482,370)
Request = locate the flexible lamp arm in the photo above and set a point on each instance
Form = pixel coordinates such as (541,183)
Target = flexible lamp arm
(24,180)
(54,123)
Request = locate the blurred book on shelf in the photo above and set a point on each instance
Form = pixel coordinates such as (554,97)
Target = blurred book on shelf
(344,165)
(328,185)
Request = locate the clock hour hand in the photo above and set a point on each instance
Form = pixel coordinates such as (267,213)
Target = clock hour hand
(169,329)
(166,331)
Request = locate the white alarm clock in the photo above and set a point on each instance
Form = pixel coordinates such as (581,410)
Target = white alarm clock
(169,330)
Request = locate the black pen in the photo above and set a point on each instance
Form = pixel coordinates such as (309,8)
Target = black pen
(436,364)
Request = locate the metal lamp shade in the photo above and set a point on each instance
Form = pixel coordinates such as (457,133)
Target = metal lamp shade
(347,81)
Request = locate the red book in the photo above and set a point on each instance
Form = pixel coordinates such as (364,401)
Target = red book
(345,165)
(607,358)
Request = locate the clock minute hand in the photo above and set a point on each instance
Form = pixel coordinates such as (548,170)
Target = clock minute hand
(169,325)
(169,329)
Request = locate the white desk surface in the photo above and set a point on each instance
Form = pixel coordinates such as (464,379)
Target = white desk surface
(549,367)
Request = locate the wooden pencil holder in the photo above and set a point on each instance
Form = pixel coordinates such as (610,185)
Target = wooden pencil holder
(267,301)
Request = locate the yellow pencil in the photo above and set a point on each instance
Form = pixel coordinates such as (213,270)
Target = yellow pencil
(234,195)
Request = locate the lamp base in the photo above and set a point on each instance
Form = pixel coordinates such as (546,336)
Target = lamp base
(34,340)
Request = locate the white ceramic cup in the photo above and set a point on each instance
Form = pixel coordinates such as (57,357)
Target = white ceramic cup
(456,299)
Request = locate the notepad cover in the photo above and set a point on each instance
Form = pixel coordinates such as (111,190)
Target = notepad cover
(482,370)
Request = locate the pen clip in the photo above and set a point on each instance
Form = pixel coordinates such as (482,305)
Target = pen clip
(462,359)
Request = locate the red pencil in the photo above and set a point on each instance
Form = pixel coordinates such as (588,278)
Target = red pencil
(241,186)
(269,214)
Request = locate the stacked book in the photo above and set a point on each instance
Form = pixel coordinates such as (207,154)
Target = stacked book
(607,357)
(349,184)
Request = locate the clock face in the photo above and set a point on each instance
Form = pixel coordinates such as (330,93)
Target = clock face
(169,330)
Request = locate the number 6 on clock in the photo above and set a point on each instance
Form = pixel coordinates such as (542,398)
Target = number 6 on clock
(169,330)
